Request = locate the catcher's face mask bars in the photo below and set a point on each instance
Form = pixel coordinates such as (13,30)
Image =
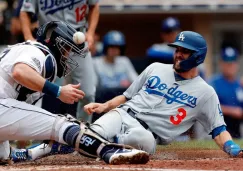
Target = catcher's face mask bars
(67,50)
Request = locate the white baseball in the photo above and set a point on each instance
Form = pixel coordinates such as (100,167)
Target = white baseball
(78,37)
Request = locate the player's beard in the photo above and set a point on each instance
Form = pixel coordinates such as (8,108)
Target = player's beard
(176,65)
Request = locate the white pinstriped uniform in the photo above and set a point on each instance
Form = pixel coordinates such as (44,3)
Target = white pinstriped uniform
(19,120)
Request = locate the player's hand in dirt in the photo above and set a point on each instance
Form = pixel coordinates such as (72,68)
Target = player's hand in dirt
(95,107)
(240,155)
(71,93)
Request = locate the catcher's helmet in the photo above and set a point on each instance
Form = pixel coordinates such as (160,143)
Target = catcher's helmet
(114,38)
(194,42)
(58,37)
(170,24)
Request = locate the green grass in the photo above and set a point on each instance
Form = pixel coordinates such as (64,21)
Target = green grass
(195,144)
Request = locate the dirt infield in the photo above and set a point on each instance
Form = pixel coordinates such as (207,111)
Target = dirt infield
(163,159)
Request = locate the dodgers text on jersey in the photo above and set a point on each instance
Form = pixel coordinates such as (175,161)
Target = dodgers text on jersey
(52,6)
(155,86)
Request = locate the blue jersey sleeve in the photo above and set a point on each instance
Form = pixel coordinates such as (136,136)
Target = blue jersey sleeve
(218,130)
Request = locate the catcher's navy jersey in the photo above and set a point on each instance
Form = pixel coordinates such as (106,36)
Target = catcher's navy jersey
(71,11)
(171,107)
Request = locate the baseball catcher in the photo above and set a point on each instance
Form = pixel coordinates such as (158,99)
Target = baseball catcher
(27,70)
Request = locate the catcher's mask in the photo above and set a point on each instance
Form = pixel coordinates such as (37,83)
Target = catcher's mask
(58,37)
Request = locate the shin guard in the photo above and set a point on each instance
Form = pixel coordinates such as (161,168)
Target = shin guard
(90,144)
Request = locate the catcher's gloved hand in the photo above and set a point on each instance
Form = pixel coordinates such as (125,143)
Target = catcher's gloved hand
(232,148)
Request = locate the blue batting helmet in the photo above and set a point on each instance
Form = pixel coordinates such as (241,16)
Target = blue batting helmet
(114,38)
(229,54)
(170,24)
(194,42)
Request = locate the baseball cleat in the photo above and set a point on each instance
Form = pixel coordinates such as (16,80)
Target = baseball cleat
(52,148)
(18,155)
(125,156)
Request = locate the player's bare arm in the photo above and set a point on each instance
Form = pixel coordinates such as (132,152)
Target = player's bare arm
(16,26)
(222,138)
(34,81)
(225,142)
(26,25)
(105,107)
(93,21)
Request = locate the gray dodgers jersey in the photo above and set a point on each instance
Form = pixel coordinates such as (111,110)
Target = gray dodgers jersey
(171,107)
(71,11)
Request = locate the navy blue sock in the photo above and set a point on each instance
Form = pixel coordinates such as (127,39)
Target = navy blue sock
(70,135)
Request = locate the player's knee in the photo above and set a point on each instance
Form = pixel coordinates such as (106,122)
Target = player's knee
(108,125)
(100,131)
(139,138)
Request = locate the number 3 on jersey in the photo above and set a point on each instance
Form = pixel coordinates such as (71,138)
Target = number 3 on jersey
(80,13)
(176,120)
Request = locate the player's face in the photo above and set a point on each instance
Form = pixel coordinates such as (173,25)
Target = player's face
(113,51)
(229,69)
(180,54)
(65,52)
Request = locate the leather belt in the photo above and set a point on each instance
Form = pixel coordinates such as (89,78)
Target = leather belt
(133,114)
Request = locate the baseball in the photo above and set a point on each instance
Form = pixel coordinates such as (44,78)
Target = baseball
(78,37)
